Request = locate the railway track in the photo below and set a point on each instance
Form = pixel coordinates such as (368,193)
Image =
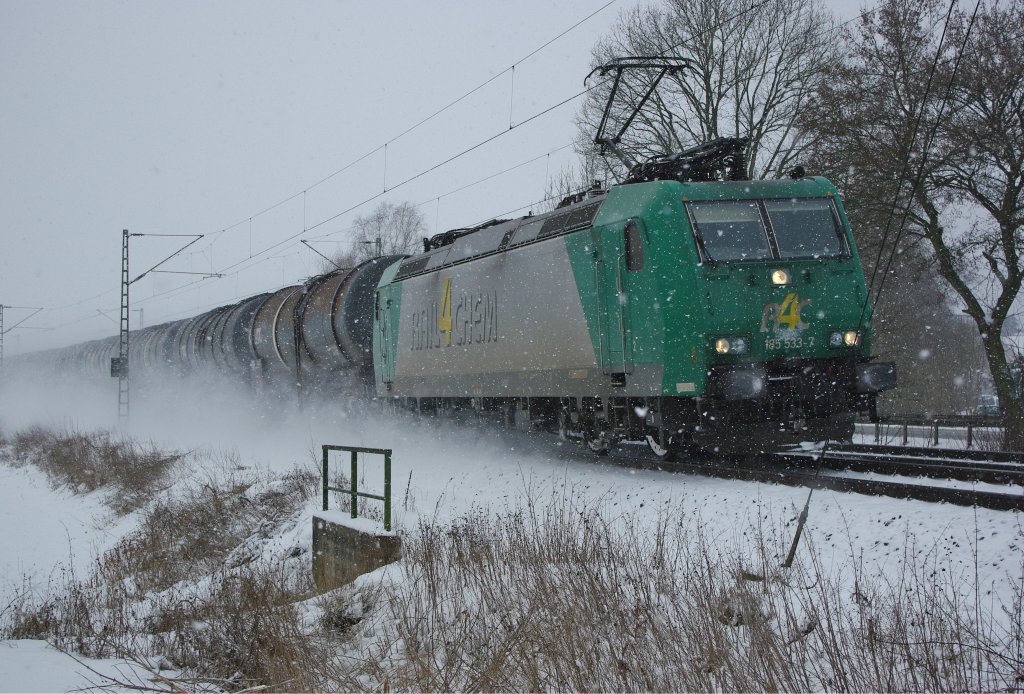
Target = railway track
(963,478)
(963,466)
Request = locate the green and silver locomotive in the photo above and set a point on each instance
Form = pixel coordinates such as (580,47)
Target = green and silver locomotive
(685,309)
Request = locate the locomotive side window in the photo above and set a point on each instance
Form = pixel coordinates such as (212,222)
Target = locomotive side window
(634,247)
(806,228)
(730,231)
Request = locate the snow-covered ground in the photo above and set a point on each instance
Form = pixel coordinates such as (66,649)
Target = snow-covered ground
(35,666)
(442,470)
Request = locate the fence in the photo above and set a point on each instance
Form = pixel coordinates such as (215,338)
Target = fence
(928,428)
(352,491)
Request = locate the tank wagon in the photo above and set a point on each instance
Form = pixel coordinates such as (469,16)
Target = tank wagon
(315,336)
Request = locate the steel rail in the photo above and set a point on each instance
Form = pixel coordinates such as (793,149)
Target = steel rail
(933,452)
(916,463)
(798,471)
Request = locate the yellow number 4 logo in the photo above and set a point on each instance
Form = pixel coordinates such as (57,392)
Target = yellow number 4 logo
(444,317)
(789,312)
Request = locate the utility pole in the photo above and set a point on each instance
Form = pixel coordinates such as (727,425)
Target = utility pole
(121,368)
(378,245)
(119,364)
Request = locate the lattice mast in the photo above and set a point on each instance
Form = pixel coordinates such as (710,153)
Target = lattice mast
(123,386)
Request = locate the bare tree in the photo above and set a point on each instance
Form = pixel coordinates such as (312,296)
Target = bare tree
(391,229)
(341,260)
(572,180)
(755,67)
(939,358)
(949,153)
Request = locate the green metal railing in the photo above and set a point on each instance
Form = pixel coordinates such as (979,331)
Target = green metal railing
(353,491)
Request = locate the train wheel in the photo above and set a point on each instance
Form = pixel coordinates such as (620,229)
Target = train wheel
(563,424)
(597,442)
(666,453)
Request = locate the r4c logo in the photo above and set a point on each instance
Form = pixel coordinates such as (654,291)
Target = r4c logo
(785,314)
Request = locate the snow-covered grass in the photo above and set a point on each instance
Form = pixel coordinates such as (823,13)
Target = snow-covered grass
(128,471)
(563,597)
(554,591)
(523,569)
(203,579)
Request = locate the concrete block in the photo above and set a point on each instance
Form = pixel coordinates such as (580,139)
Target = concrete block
(345,548)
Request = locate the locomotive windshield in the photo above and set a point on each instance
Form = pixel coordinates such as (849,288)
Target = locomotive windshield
(739,230)
(805,228)
(731,230)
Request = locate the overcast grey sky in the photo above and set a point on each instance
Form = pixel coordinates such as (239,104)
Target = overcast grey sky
(188,117)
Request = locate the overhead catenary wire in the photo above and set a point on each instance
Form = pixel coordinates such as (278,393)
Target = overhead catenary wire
(919,177)
(904,170)
(368,154)
(405,132)
(423,121)
(412,128)
(255,256)
(487,140)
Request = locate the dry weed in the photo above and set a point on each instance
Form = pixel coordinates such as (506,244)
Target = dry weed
(82,462)
(558,598)
(204,526)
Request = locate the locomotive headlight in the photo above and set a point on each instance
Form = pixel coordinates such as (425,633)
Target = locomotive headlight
(731,345)
(844,338)
(780,277)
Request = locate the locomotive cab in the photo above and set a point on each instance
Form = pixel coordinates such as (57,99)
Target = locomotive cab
(771,340)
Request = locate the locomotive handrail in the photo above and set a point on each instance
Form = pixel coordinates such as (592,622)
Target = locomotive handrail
(353,491)
(620,289)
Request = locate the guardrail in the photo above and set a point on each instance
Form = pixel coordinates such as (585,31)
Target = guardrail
(969,423)
(943,419)
(352,491)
